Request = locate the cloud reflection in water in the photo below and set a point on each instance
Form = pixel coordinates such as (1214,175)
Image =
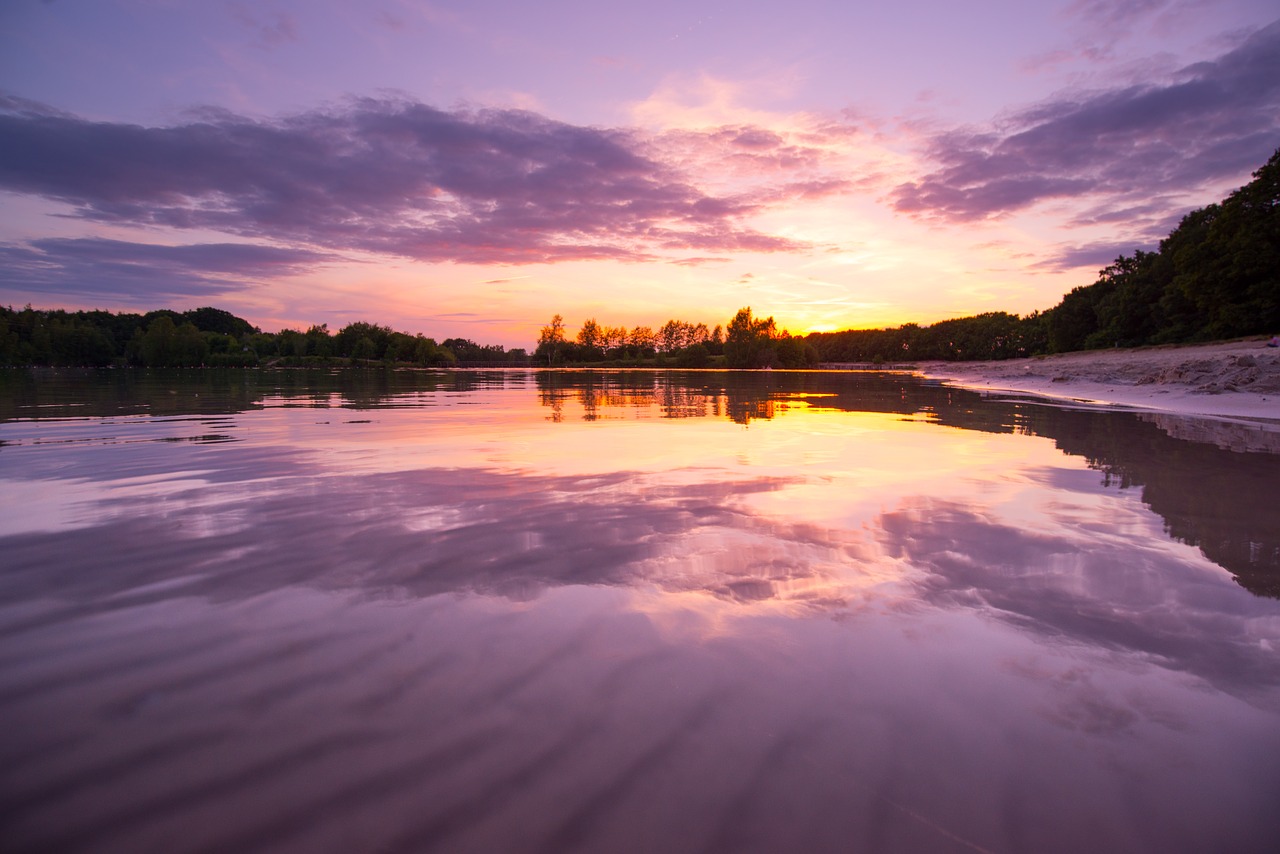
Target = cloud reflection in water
(475,632)
(423,533)
(436,531)
(1074,587)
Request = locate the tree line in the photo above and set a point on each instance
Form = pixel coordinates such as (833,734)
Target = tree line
(216,338)
(675,342)
(746,342)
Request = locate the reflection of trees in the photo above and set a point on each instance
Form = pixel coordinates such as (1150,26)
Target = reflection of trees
(1209,497)
(599,391)
(742,409)
(552,393)
(596,395)
(595,392)
(1215,499)
(678,399)
(87,392)
(1218,500)
(675,394)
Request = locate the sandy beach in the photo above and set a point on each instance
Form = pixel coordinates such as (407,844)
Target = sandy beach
(1235,380)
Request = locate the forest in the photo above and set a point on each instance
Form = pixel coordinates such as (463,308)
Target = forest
(212,337)
(1215,276)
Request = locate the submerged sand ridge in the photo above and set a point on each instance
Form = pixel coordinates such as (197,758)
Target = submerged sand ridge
(1232,379)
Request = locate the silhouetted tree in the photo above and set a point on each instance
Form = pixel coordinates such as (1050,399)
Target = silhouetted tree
(749,342)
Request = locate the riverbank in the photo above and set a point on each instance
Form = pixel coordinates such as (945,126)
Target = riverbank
(1235,379)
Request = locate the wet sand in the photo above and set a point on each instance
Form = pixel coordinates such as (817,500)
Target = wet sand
(1235,379)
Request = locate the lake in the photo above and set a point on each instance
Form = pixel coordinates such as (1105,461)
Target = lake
(491,611)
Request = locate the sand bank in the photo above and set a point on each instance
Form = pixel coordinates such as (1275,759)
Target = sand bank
(1235,380)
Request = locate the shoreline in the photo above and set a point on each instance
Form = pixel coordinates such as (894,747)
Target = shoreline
(1233,379)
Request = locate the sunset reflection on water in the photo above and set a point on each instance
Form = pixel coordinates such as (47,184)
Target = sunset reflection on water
(626,611)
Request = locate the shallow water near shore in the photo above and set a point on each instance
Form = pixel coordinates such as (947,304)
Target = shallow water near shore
(627,611)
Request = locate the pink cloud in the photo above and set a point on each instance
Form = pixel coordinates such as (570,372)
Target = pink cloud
(144,272)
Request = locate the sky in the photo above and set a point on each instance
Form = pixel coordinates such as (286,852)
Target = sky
(469,169)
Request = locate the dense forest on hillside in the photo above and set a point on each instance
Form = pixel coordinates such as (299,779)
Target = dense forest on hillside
(1216,276)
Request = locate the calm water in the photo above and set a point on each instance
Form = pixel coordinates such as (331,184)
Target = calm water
(574,611)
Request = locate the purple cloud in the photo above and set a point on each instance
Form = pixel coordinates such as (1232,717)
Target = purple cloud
(380,175)
(1213,121)
(1094,255)
(1111,13)
(1146,223)
(141,271)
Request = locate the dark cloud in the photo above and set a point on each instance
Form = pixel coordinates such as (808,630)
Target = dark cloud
(1095,255)
(114,268)
(381,175)
(1212,121)
(1145,223)
(1151,215)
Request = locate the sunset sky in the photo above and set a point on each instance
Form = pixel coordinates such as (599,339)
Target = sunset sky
(471,168)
